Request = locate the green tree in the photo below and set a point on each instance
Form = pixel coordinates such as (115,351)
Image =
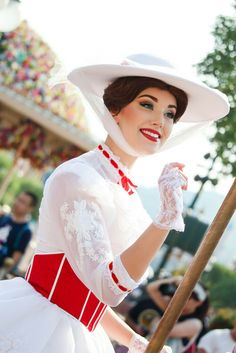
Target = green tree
(5,161)
(221,282)
(221,64)
(18,184)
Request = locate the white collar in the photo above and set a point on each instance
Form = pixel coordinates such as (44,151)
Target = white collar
(106,161)
(114,168)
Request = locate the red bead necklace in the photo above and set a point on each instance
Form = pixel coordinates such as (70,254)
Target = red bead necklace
(125,182)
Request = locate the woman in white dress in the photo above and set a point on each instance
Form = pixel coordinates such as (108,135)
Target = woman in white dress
(95,240)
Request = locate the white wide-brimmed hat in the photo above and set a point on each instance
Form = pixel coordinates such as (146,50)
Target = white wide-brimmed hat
(204,103)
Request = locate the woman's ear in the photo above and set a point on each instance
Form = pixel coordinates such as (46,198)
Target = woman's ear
(116,117)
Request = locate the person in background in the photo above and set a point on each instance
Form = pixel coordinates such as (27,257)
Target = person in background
(15,233)
(191,322)
(218,341)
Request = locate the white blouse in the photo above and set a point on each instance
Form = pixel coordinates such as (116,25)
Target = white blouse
(87,215)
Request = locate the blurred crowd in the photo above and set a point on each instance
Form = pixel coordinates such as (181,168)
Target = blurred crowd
(195,331)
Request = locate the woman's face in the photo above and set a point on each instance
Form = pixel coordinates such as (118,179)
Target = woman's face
(147,121)
(190,306)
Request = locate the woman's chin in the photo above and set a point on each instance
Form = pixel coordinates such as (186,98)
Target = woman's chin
(148,151)
(150,147)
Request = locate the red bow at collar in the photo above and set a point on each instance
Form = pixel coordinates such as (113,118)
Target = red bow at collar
(126,183)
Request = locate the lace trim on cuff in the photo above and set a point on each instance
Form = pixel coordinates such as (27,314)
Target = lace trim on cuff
(138,344)
(118,278)
(170,220)
(178,227)
(122,273)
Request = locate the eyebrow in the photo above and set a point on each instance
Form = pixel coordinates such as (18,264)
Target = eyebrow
(156,100)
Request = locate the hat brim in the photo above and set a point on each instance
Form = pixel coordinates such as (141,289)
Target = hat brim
(204,103)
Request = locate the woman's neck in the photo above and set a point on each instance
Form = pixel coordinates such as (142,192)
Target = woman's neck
(125,158)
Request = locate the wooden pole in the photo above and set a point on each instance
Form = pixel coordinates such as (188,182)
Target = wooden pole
(194,271)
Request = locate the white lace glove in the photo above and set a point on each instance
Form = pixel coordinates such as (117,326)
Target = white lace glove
(171,182)
(138,344)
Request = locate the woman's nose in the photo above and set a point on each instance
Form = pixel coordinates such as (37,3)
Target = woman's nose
(158,119)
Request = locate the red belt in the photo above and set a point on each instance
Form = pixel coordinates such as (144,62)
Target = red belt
(52,276)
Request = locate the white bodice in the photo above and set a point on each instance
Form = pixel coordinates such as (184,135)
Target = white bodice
(89,216)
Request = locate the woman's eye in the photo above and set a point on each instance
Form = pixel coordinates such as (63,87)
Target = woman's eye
(170,115)
(147,105)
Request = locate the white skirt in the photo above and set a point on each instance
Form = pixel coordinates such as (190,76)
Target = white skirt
(29,323)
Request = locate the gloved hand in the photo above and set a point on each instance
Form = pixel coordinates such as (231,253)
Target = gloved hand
(171,182)
(138,344)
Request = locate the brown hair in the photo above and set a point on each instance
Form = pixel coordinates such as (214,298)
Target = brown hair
(124,90)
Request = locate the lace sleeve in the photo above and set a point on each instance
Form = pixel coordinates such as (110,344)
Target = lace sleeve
(85,230)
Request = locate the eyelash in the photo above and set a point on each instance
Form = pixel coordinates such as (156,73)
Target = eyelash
(172,115)
(150,106)
(147,105)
